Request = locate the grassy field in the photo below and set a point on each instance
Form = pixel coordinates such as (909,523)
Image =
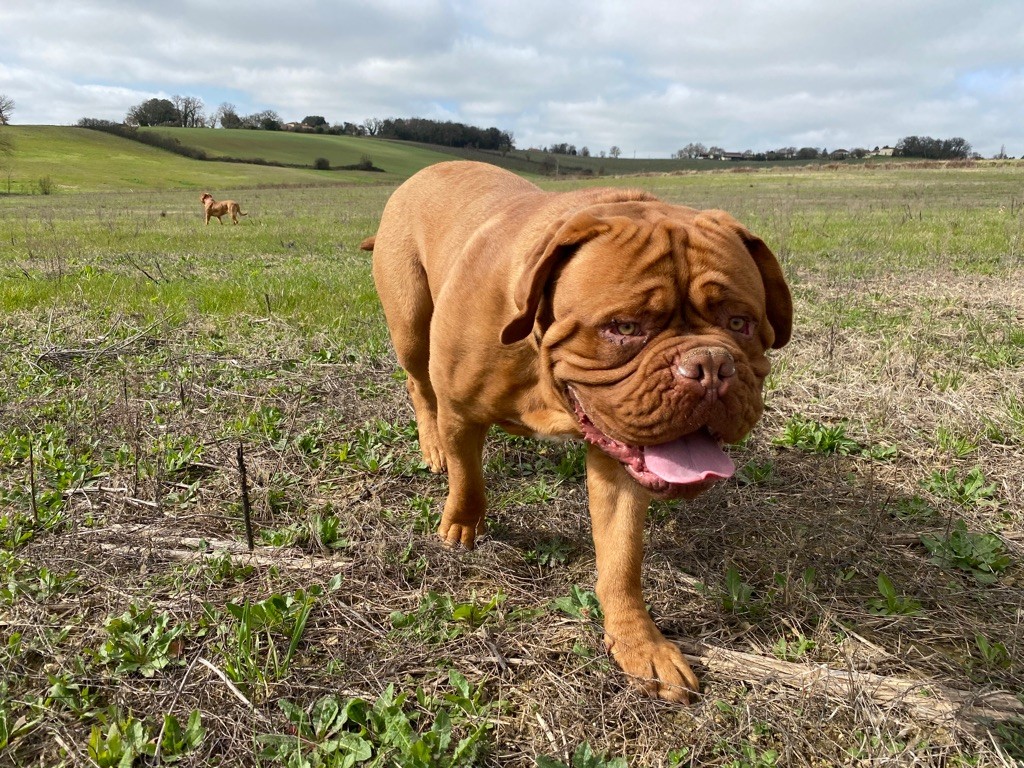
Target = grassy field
(304,148)
(67,159)
(855,596)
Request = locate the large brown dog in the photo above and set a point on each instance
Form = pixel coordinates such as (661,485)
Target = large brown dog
(224,208)
(602,314)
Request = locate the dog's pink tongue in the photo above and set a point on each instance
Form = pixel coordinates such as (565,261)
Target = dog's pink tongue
(691,459)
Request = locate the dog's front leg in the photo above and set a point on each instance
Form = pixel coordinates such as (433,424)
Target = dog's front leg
(618,508)
(463,445)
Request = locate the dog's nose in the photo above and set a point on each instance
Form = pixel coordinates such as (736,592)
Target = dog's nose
(711,367)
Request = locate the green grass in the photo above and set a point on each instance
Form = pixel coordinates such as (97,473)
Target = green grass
(150,254)
(395,158)
(82,160)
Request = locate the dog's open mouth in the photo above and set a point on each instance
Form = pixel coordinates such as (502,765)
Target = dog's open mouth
(680,467)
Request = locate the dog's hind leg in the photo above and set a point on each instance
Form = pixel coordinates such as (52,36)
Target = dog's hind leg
(405,296)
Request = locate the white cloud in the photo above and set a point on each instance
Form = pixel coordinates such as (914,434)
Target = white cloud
(650,77)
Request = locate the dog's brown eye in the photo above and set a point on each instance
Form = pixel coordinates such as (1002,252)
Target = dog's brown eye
(740,325)
(627,329)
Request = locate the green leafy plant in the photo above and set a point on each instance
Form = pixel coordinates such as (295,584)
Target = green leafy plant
(540,491)
(20,578)
(815,437)
(393,730)
(552,552)
(891,603)
(581,604)
(795,649)
(219,568)
(139,640)
(179,453)
(970,491)
(439,617)
(427,513)
(176,741)
(12,726)
(756,472)
(913,508)
(320,532)
(64,693)
(983,555)
(993,654)
(118,745)
(738,594)
(265,423)
(584,757)
(382,446)
(956,444)
(257,625)
(124,741)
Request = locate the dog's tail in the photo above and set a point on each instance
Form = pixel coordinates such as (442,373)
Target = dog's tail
(367,244)
(242,213)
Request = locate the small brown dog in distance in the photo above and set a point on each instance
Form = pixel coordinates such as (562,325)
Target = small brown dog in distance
(224,208)
(602,314)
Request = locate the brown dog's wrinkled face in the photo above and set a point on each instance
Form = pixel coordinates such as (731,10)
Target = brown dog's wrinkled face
(662,360)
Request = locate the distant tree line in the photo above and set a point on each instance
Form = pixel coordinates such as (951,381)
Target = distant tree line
(188,112)
(910,146)
(933,149)
(446,134)
(697,151)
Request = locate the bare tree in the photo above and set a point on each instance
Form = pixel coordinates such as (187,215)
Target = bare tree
(6,107)
(614,152)
(190,110)
(6,147)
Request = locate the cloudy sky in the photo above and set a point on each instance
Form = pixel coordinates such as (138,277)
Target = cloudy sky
(649,76)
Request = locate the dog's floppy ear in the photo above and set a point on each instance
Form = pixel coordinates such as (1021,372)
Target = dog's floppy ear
(557,243)
(779,301)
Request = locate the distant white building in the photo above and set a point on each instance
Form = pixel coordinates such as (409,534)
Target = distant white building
(885,151)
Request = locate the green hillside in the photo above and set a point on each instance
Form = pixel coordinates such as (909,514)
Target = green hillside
(63,159)
(303,149)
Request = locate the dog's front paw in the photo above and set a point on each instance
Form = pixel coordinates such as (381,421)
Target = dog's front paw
(657,665)
(464,533)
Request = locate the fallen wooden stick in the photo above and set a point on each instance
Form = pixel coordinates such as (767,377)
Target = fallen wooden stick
(926,699)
